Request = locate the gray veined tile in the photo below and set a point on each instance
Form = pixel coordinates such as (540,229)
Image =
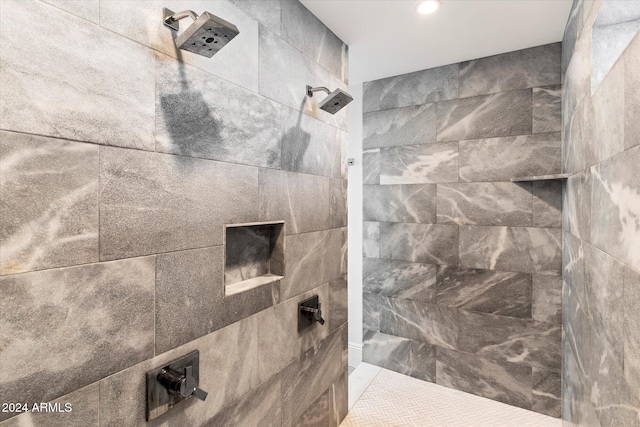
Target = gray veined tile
(338,303)
(571,33)
(279,341)
(486,291)
(577,204)
(488,116)
(413,358)
(338,201)
(284,74)
(632,93)
(547,299)
(546,392)
(47,96)
(340,406)
(371,96)
(307,377)
(98,322)
(307,33)
(311,146)
(138,20)
(195,118)
(547,109)
(231,356)
(631,327)
(87,9)
(371,166)
(48,203)
(505,382)
(547,203)
(615,221)
(419,321)
(419,164)
(261,407)
(521,249)
(400,203)
(371,239)
(301,200)
(537,66)
(400,279)
(417,88)
(399,126)
(267,13)
(371,311)
(573,268)
(507,339)
(577,79)
(500,159)
(485,203)
(434,244)
(319,412)
(145,208)
(85,411)
(188,282)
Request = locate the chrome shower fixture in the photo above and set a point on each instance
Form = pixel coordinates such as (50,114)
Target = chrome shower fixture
(334,102)
(205,36)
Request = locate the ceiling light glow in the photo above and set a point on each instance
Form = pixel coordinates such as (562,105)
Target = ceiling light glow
(428,6)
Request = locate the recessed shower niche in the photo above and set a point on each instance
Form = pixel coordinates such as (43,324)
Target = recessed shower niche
(254,255)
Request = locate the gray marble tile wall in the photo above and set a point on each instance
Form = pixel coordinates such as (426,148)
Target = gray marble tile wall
(601,242)
(121,160)
(462,268)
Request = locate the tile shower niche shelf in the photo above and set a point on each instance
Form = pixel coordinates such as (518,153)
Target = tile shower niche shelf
(253,255)
(540,177)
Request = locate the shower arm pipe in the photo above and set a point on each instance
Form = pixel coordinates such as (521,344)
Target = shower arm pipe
(310,90)
(172,19)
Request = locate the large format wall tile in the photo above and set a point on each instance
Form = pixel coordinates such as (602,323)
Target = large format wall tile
(486,291)
(537,66)
(419,164)
(307,377)
(152,203)
(371,311)
(631,326)
(510,340)
(547,299)
(313,147)
(195,118)
(546,393)
(229,364)
(312,259)
(399,279)
(413,358)
(501,114)
(632,94)
(261,407)
(420,87)
(371,239)
(284,74)
(267,13)
(577,204)
(522,249)
(547,109)
(400,126)
(547,203)
(371,166)
(313,38)
(371,96)
(338,209)
(98,321)
(302,201)
(500,159)
(319,412)
(88,9)
(338,303)
(485,204)
(278,338)
(49,96)
(139,21)
(419,321)
(48,203)
(616,194)
(400,203)
(505,382)
(435,244)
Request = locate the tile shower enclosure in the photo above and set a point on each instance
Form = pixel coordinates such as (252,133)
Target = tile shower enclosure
(462,268)
(122,160)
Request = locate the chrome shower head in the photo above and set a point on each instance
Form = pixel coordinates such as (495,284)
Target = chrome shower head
(206,36)
(334,102)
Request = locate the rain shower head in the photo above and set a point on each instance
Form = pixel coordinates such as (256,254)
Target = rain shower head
(205,36)
(334,102)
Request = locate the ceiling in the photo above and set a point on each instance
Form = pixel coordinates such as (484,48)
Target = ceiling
(387,37)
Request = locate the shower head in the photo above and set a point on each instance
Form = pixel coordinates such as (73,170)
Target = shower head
(334,102)
(205,36)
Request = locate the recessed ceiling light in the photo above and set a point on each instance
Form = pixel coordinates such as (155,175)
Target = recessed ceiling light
(428,6)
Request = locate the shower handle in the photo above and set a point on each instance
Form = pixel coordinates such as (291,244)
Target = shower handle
(183,384)
(316,313)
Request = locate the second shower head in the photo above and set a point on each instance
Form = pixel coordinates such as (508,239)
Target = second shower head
(205,36)
(334,102)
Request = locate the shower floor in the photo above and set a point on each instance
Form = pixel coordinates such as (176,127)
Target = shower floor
(382,398)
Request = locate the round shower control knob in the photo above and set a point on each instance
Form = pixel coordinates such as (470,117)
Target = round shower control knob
(183,384)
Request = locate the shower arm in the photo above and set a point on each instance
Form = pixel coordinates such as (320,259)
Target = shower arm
(310,90)
(171,19)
